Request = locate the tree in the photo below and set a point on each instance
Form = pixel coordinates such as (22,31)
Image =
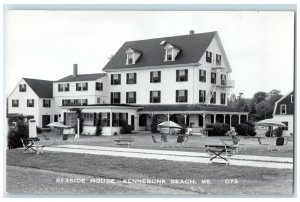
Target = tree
(273,96)
(264,110)
(259,97)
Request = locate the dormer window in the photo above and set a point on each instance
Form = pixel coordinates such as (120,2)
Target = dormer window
(132,56)
(171,52)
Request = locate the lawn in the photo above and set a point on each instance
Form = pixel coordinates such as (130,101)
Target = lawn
(195,143)
(248,181)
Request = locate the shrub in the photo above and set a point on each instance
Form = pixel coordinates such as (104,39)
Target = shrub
(154,125)
(245,129)
(217,129)
(98,128)
(126,129)
(14,135)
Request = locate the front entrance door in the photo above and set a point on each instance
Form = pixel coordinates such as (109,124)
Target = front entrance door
(45,121)
(132,122)
(55,118)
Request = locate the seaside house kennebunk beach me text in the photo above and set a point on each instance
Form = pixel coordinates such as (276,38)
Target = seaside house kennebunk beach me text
(182,78)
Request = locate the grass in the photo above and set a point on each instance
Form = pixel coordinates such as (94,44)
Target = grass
(195,143)
(251,180)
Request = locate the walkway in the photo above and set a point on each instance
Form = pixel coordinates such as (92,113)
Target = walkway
(195,157)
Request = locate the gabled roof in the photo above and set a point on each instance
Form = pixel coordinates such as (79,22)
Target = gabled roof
(280,100)
(43,88)
(192,48)
(81,77)
(189,107)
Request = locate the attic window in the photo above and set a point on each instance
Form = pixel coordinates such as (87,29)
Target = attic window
(171,52)
(132,56)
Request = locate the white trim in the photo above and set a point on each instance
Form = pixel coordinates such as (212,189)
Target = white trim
(276,103)
(281,106)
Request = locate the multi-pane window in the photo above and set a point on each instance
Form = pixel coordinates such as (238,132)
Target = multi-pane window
(63,87)
(22,88)
(82,86)
(223,79)
(46,103)
(292,98)
(202,96)
(202,75)
(131,78)
(208,56)
(15,103)
(105,119)
(154,96)
(213,98)
(213,78)
(287,125)
(223,98)
(30,102)
(98,100)
(119,119)
(283,109)
(115,79)
(74,102)
(130,97)
(70,118)
(169,55)
(115,97)
(129,58)
(155,77)
(218,59)
(182,75)
(99,86)
(181,95)
(88,119)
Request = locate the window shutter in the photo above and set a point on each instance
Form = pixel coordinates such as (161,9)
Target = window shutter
(134,77)
(65,118)
(159,76)
(204,95)
(127,97)
(108,119)
(150,96)
(127,78)
(186,95)
(127,117)
(177,99)
(186,74)
(95,119)
(177,75)
(111,98)
(111,79)
(151,77)
(204,72)
(119,78)
(159,96)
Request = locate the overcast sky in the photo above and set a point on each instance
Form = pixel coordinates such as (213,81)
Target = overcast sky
(46,44)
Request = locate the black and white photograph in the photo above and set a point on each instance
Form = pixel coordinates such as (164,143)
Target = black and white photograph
(148,103)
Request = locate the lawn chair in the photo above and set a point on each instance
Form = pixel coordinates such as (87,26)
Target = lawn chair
(32,146)
(65,137)
(280,141)
(180,140)
(47,138)
(164,140)
(154,139)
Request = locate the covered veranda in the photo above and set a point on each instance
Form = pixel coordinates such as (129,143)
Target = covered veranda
(195,116)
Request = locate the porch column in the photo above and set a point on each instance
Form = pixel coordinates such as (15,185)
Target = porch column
(111,118)
(168,115)
(138,122)
(215,118)
(224,118)
(230,116)
(239,118)
(204,125)
(184,118)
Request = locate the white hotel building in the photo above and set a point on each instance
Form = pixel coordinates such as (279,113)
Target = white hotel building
(181,78)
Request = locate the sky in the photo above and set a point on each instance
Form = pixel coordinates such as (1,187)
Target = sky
(46,44)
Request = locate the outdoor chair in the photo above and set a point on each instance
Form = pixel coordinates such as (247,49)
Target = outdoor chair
(154,139)
(164,140)
(280,141)
(32,146)
(65,137)
(47,138)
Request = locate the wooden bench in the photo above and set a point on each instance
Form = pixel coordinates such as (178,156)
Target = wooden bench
(124,140)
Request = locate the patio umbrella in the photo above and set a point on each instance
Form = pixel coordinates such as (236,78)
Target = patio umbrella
(58,125)
(270,123)
(169,124)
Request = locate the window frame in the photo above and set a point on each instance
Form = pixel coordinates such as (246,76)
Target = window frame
(99,86)
(13,104)
(213,99)
(22,87)
(182,78)
(45,104)
(208,56)
(202,78)
(181,99)
(115,81)
(130,100)
(155,79)
(30,104)
(204,97)
(281,107)
(156,99)
(223,98)
(131,80)
(113,98)
(215,78)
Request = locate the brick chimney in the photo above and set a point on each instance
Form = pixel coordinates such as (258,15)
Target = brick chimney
(192,32)
(75,70)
